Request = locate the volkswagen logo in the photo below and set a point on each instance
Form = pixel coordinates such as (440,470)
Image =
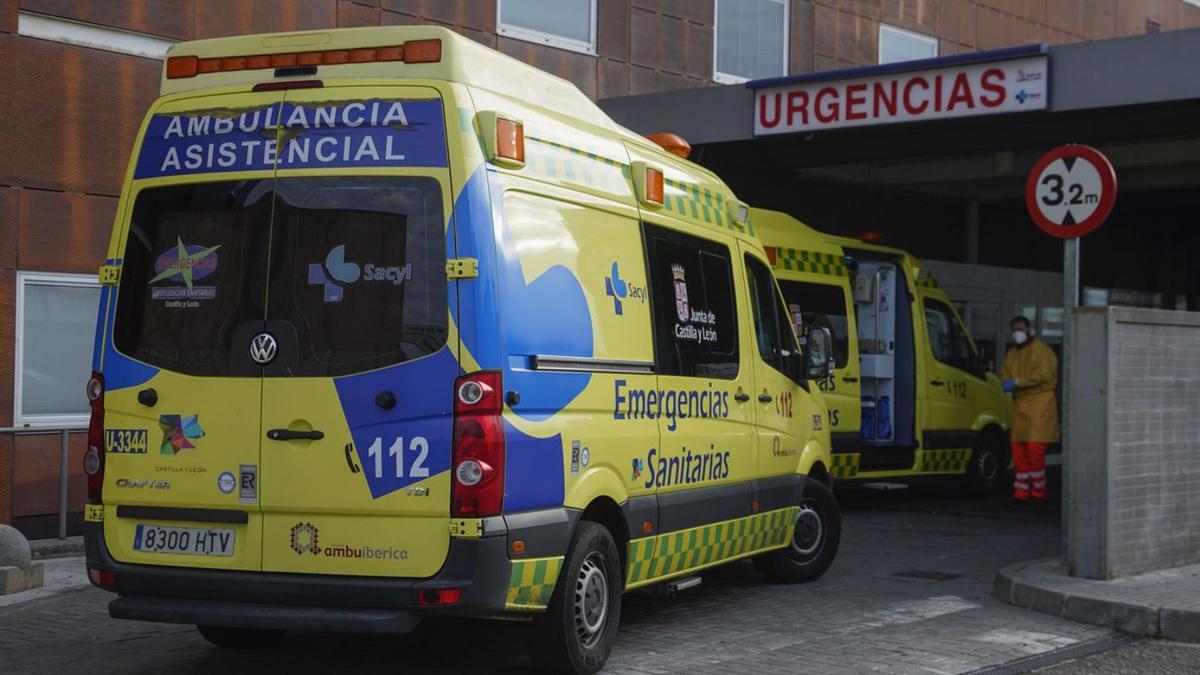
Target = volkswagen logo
(263,348)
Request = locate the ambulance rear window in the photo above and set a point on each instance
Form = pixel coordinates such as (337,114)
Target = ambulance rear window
(194,270)
(346,273)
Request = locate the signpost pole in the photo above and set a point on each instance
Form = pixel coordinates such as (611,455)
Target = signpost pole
(1070,301)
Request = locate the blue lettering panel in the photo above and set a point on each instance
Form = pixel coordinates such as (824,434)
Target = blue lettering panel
(374,133)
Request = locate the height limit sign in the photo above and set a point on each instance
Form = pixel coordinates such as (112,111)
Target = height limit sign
(1071,190)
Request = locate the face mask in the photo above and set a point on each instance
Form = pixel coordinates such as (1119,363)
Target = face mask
(1020,336)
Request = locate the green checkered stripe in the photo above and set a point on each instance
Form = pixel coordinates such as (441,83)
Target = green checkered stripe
(945,461)
(845,465)
(810,261)
(675,552)
(692,202)
(579,167)
(531,583)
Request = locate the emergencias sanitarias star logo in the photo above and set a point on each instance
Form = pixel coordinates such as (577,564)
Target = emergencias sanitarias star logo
(304,539)
(185,263)
(178,433)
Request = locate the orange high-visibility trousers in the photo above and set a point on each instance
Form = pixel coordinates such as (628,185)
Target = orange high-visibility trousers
(1029,461)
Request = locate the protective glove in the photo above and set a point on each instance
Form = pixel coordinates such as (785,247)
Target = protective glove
(1009,385)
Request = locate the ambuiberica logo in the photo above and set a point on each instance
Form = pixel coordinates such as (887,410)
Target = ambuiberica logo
(305,538)
(336,273)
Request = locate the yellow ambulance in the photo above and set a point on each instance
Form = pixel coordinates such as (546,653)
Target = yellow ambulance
(909,395)
(393,325)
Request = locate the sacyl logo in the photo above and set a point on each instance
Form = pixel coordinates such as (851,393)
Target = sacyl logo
(618,289)
(263,348)
(336,273)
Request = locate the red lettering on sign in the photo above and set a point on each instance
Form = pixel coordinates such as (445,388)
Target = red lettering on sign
(762,112)
(884,98)
(961,93)
(826,113)
(797,103)
(937,93)
(908,99)
(991,79)
(853,101)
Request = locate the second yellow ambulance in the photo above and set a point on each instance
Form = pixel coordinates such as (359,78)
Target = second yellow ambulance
(910,395)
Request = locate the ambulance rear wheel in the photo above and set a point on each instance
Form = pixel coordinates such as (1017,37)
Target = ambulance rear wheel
(988,468)
(240,638)
(815,539)
(577,631)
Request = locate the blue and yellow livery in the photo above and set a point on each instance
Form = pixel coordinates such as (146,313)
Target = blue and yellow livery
(393,325)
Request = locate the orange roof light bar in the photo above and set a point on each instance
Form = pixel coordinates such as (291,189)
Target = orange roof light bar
(415,51)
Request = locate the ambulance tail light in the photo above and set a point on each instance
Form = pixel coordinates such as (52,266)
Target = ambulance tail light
(477,489)
(93,458)
(415,51)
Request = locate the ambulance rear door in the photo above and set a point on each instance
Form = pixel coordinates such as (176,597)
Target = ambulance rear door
(357,398)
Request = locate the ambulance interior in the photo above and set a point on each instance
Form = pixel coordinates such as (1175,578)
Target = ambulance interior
(887,368)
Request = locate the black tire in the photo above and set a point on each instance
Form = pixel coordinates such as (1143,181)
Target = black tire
(814,541)
(577,631)
(241,638)
(988,470)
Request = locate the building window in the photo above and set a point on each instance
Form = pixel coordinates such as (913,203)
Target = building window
(566,24)
(897,44)
(56,329)
(751,40)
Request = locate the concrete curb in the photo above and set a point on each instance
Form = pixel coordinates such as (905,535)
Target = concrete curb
(1044,586)
(42,549)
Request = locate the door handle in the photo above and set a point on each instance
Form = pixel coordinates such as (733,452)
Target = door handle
(765,398)
(741,397)
(936,383)
(847,378)
(289,435)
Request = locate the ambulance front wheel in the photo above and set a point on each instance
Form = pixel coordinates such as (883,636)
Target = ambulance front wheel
(240,638)
(577,631)
(989,466)
(815,539)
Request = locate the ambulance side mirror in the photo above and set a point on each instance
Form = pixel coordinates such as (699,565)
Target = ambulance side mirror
(820,354)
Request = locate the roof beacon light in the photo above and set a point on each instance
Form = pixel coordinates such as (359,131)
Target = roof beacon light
(414,51)
(672,143)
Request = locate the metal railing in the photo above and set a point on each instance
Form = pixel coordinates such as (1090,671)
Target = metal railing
(63,460)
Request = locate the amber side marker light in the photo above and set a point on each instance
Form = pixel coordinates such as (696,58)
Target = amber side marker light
(654,185)
(672,143)
(510,140)
(416,51)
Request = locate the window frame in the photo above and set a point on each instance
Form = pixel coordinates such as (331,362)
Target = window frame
(60,279)
(729,78)
(782,315)
(957,329)
(549,39)
(649,251)
(906,33)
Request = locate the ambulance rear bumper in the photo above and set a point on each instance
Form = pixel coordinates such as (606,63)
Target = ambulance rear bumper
(478,567)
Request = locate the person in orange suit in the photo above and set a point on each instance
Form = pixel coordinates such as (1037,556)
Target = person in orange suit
(1031,376)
